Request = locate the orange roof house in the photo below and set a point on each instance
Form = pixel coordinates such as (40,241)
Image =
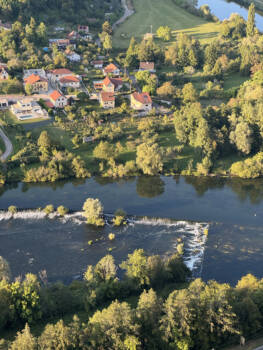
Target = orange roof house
(38,83)
(107,99)
(149,66)
(141,101)
(58,100)
(111,69)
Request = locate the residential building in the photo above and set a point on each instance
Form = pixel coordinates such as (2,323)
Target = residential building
(111,69)
(69,81)
(112,84)
(3,72)
(98,84)
(40,72)
(57,99)
(148,66)
(97,64)
(83,29)
(73,36)
(37,83)
(60,43)
(4,103)
(107,99)
(141,101)
(56,74)
(28,109)
(72,56)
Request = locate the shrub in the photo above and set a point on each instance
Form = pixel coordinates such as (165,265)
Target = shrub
(111,236)
(62,210)
(49,209)
(12,209)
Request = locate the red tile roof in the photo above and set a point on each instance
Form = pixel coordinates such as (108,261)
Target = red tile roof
(107,96)
(115,81)
(69,79)
(62,71)
(55,95)
(147,65)
(49,104)
(110,68)
(33,78)
(143,97)
(97,63)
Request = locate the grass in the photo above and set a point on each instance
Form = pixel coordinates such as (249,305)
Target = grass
(9,118)
(158,13)
(234,81)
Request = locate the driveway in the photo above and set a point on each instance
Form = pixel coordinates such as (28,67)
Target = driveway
(8,146)
(127,13)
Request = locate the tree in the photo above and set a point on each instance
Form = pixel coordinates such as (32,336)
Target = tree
(107,43)
(148,159)
(113,327)
(28,89)
(24,340)
(241,136)
(167,89)
(251,20)
(105,269)
(136,267)
(106,27)
(104,150)
(92,210)
(189,93)
(44,140)
(164,32)
(5,272)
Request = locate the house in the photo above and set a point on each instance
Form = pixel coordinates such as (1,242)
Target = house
(37,83)
(73,36)
(28,109)
(5,26)
(40,72)
(56,74)
(60,43)
(98,84)
(111,69)
(69,81)
(57,99)
(141,101)
(3,72)
(97,64)
(83,29)
(72,56)
(148,66)
(112,84)
(107,99)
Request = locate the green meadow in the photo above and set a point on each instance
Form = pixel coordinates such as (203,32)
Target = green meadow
(156,13)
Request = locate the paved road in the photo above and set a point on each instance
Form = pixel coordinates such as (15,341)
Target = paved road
(260,348)
(8,146)
(127,13)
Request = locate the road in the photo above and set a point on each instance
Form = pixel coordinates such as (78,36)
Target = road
(259,348)
(8,146)
(127,13)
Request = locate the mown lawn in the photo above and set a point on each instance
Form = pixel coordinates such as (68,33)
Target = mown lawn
(158,13)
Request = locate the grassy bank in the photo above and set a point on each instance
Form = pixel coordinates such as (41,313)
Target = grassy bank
(158,13)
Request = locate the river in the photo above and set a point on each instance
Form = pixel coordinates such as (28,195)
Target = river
(177,209)
(223,9)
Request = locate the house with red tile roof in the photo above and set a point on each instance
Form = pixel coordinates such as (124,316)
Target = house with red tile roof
(97,63)
(69,81)
(141,101)
(83,29)
(38,83)
(111,69)
(57,99)
(107,99)
(56,74)
(148,66)
(112,84)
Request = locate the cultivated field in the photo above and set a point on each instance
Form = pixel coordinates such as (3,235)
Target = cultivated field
(157,13)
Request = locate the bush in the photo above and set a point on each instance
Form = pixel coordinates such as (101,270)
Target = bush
(49,209)
(111,236)
(62,210)
(12,209)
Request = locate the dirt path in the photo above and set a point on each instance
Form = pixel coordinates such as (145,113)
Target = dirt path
(8,146)
(127,13)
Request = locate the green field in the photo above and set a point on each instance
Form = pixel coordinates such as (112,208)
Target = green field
(157,13)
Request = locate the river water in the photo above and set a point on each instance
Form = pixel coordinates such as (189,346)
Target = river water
(163,211)
(223,9)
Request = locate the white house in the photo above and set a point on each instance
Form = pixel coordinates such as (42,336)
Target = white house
(56,74)
(73,56)
(69,81)
(58,100)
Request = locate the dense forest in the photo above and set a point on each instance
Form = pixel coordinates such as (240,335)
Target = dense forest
(71,11)
(154,306)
